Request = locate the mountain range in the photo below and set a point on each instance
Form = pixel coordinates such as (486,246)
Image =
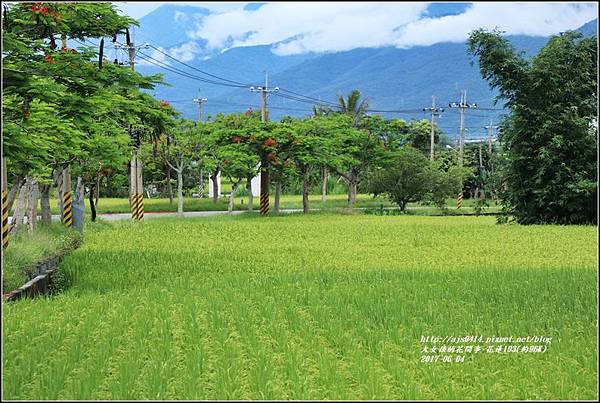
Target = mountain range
(401,80)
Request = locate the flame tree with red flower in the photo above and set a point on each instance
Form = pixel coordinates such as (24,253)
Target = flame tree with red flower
(72,104)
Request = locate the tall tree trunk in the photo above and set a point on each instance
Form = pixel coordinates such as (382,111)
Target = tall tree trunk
(32,205)
(215,184)
(129,185)
(276,197)
(250,195)
(97,188)
(20,209)
(305,189)
(58,180)
(45,202)
(79,189)
(179,191)
(92,204)
(12,194)
(324,185)
(234,188)
(352,191)
(169,187)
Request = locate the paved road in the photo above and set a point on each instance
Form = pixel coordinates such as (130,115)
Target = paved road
(127,216)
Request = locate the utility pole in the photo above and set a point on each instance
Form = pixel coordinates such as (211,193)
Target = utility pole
(462,105)
(67,214)
(434,112)
(136,190)
(200,101)
(264,162)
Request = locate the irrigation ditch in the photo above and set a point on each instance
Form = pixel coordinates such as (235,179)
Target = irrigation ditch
(42,275)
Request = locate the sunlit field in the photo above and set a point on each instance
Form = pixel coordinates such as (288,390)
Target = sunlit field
(309,307)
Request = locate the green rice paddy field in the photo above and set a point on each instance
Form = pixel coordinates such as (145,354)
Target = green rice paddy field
(309,307)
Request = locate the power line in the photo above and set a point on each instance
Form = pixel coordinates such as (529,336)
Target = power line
(310,98)
(175,70)
(197,69)
(285,93)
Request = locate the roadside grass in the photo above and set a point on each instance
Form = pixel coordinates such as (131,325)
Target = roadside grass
(25,251)
(309,307)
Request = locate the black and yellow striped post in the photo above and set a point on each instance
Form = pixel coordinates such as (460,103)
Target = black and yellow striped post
(264,203)
(67,213)
(5,226)
(264,187)
(141,206)
(137,189)
(459,200)
(134,206)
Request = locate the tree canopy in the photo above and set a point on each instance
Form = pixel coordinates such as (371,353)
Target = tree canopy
(550,138)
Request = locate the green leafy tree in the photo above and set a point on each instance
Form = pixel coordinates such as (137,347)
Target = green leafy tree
(351,151)
(310,149)
(178,148)
(59,104)
(405,176)
(550,138)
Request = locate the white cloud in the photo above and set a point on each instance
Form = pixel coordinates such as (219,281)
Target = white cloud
(185,52)
(317,26)
(338,26)
(534,19)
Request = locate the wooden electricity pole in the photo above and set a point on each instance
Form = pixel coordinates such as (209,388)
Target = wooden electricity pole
(434,112)
(462,105)
(264,162)
(136,188)
(67,213)
(200,101)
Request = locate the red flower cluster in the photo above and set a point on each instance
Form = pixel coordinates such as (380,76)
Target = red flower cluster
(39,8)
(270,142)
(48,58)
(236,139)
(164,104)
